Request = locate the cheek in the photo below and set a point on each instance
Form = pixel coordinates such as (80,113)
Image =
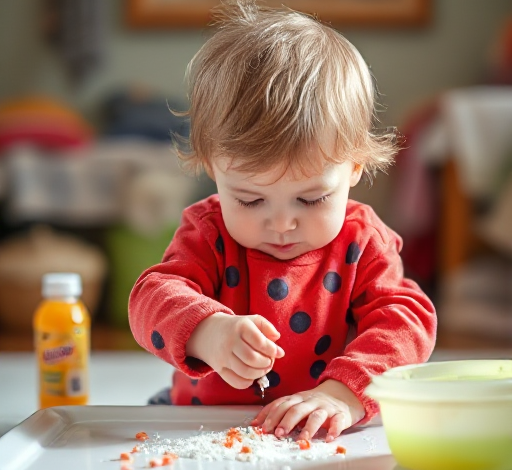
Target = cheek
(327,225)
(241,225)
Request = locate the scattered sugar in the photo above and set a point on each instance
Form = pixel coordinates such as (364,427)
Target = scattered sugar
(210,446)
(264,383)
(372,446)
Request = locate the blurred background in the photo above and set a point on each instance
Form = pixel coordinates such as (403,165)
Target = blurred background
(89,181)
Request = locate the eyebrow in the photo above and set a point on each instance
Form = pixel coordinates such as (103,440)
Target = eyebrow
(312,189)
(243,191)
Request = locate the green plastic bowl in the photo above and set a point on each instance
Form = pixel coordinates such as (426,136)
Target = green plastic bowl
(454,415)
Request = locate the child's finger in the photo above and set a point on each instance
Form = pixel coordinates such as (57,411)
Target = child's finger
(294,415)
(255,339)
(266,410)
(251,357)
(314,422)
(277,413)
(266,328)
(260,417)
(235,380)
(336,426)
(243,370)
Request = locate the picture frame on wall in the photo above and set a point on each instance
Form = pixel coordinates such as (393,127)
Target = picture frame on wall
(151,14)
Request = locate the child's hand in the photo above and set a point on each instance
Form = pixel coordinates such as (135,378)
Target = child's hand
(240,349)
(331,405)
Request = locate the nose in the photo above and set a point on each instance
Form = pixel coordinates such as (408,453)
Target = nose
(282,221)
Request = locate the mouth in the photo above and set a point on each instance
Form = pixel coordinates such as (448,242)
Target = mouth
(283,248)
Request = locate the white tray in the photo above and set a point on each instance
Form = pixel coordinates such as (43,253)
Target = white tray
(92,437)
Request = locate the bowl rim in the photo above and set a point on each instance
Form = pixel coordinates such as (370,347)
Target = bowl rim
(400,383)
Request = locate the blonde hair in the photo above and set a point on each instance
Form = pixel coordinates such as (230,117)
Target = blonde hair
(270,84)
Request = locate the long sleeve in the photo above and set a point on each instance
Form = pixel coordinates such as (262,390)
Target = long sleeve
(204,271)
(170,299)
(395,321)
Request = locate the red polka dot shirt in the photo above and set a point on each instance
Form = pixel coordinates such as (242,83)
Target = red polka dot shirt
(344,311)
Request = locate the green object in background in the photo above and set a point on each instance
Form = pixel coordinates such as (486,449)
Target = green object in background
(130,254)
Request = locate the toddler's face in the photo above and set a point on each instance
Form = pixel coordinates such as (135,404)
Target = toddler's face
(284,215)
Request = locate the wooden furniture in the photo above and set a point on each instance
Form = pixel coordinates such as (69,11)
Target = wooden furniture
(151,14)
(458,242)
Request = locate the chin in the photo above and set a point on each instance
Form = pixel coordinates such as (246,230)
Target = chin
(281,256)
(287,255)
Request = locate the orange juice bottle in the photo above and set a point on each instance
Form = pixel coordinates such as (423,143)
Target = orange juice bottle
(62,341)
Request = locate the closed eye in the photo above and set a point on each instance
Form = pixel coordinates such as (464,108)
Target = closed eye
(249,203)
(315,202)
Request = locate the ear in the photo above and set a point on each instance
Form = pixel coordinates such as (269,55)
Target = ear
(357,172)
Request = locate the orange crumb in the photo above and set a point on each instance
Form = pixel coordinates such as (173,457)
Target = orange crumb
(156,463)
(231,435)
(169,459)
(126,456)
(126,466)
(303,444)
(245,450)
(135,450)
(141,436)
(234,434)
(341,450)
(228,443)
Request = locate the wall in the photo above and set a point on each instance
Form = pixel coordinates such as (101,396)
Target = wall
(410,65)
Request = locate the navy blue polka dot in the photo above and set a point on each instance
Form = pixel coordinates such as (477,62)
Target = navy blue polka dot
(332,282)
(317,368)
(157,340)
(194,381)
(232,276)
(273,378)
(349,317)
(163,397)
(196,401)
(277,289)
(353,252)
(322,345)
(219,245)
(300,322)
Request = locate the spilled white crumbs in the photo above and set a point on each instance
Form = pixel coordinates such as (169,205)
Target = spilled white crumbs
(246,444)
(263,383)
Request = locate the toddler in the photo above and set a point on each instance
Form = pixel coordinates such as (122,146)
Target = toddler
(280,274)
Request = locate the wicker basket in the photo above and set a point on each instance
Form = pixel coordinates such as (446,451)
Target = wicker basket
(23,261)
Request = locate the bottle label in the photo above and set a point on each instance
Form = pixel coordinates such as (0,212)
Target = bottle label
(63,362)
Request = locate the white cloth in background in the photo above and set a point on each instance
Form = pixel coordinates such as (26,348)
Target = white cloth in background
(97,185)
(478,121)
(474,126)
(62,187)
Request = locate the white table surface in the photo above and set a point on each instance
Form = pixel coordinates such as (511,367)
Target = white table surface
(116,378)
